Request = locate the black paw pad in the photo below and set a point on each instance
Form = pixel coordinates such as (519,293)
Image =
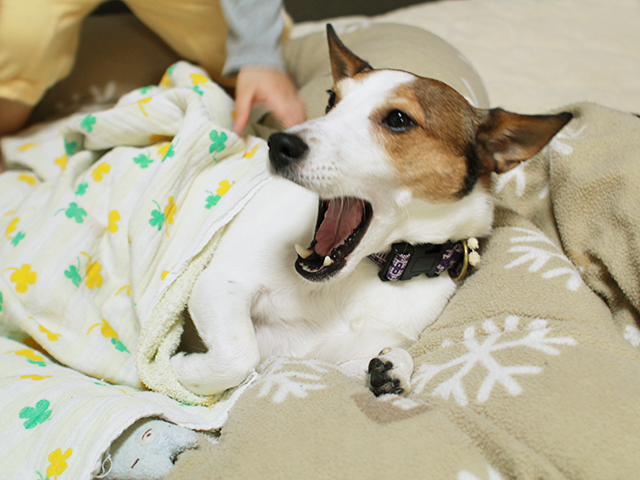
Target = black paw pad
(380,381)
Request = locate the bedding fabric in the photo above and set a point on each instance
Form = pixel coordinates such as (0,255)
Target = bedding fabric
(105,231)
(533,55)
(531,371)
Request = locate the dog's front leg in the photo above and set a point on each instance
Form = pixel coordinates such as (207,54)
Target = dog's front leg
(220,310)
(389,372)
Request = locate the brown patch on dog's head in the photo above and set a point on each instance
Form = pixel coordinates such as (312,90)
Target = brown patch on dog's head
(440,145)
(430,153)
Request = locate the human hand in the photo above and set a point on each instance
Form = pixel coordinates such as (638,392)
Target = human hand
(270,87)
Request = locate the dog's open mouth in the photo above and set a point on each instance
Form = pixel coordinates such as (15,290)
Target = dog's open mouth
(342,222)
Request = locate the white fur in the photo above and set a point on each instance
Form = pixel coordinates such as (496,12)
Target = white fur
(250,302)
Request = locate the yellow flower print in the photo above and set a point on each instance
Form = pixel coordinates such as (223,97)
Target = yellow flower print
(35,377)
(164,274)
(58,462)
(223,187)
(11,228)
(170,210)
(114,216)
(213,199)
(31,356)
(94,278)
(52,337)
(164,149)
(108,332)
(61,162)
(251,152)
(30,179)
(141,103)
(26,146)
(106,329)
(166,80)
(23,277)
(101,170)
(198,78)
(126,288)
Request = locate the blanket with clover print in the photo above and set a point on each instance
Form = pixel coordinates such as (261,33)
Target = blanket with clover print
(106,219)
(532,371)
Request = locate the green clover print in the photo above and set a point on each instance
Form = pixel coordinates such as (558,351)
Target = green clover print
(70,147)
(119,345)
(73,274)
(157,217)
(212,200)
(198,90)
(144,90)
(143,160)
(16,239)
(170,153)
(36,415)
(1,300)
(82,189)
(218,139)
(88,122)
(74,212)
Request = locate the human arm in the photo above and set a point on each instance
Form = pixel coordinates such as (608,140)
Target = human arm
(254,51)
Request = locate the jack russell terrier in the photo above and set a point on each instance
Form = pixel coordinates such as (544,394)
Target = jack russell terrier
(400,167)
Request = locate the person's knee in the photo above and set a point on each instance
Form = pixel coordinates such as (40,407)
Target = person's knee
(13,115)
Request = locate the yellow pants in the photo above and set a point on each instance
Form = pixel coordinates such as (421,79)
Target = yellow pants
(39,38)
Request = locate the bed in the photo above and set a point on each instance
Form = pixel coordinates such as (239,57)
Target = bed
(532,370)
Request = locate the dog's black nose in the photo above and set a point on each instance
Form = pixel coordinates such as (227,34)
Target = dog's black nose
(285,149)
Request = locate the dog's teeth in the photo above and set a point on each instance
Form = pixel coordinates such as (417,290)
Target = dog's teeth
(327,261)
(303,252)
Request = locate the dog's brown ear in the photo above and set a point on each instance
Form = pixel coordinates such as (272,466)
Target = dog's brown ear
(344,63)
(505,139)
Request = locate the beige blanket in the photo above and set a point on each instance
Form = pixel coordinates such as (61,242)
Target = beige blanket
(532,371)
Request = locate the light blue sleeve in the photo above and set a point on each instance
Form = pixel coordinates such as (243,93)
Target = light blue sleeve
(255,28)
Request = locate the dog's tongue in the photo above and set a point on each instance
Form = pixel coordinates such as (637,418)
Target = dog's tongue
(340,220)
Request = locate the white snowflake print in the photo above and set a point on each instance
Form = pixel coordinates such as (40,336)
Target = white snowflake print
(516,173)
(557,145)
(493,475)
(632,335)
(540,256)
(480,353)
(279,382)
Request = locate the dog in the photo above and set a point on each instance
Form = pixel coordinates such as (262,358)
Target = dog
(399,167)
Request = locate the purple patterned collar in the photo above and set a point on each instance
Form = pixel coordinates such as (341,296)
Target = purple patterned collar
(405,261)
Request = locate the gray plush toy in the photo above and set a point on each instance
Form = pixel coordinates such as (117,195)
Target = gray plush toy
(147,450)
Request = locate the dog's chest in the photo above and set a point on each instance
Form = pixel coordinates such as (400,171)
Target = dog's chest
(340,321)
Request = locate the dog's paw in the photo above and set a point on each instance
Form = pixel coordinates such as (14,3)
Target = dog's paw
(202,374)
(390,372)
(192,372)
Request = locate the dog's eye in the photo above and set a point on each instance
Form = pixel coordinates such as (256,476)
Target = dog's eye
(332,100)
(398,121)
